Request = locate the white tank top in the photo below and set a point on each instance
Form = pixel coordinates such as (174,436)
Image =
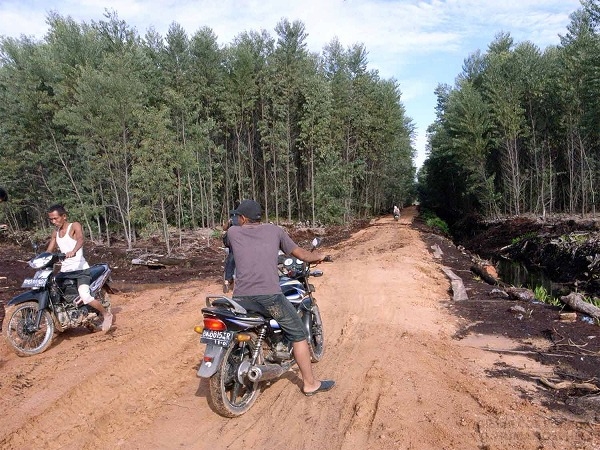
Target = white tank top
(66,244)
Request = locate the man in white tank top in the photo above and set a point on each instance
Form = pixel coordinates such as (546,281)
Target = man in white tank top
(68,237)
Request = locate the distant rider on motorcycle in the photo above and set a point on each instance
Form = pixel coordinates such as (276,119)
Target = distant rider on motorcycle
(256,246)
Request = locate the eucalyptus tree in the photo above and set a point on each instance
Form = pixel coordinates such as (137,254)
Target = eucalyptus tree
(71,47)
(206,78)
(177,95)
(250,138)
(442,179)
(314,139)
(290,65)
(154,176)
(26,113)
(504,93)
(338,74)
(102,115)
(581,51)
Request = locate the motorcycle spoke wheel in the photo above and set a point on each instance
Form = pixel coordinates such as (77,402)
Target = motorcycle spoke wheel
(316,341)
(231,393)
(21,333)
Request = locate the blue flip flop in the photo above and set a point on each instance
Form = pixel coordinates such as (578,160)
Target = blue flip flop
(325,386)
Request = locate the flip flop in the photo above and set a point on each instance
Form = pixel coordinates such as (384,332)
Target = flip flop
(323,387)
(107,322)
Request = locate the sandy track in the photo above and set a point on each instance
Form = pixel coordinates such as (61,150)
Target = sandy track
(402,381)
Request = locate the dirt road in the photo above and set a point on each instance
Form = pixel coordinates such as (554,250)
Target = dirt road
(403,382)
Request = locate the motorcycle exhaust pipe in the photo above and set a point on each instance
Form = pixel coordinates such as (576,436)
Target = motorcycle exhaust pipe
(265,372)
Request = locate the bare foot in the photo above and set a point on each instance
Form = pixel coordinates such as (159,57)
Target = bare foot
(107,323)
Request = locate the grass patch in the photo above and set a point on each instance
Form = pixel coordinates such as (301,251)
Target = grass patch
(544,296)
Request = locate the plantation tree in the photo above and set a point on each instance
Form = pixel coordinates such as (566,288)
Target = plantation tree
(102,116)
(139,135)
(244,60)
(314,136)
(581,87)
(292,64)
(154,175)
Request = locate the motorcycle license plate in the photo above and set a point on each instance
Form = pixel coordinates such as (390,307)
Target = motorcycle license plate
(221,338)
(33,283)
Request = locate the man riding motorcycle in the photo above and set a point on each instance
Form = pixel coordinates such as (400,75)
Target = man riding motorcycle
(256,246)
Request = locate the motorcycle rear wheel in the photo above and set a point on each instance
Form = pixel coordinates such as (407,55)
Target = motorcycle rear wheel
(316,340)
(231,394)
(20,333)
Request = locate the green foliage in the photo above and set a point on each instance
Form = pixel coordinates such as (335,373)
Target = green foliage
(161,133)
(541,294)
(517,132)
(524,237)
(435,222)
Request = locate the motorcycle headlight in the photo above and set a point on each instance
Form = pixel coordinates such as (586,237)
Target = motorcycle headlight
(40,260)
(299,262)
(288,262)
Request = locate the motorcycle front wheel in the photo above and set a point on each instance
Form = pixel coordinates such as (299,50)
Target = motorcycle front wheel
(22,334)
(231,394)
(316,338)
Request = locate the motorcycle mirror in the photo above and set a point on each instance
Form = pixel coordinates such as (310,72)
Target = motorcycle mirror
(316,242)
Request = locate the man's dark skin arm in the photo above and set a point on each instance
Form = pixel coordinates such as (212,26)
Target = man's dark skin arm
(305,255)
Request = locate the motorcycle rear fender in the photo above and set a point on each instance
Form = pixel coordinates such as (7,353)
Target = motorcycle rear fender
(208,368)
(38,295)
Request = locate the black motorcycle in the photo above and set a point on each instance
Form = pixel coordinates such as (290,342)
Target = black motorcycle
(52,304)
(245,348)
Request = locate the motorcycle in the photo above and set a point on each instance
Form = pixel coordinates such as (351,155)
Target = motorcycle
(246,348)
(52,304)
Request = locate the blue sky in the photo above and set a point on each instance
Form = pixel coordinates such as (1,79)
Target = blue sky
(419,43)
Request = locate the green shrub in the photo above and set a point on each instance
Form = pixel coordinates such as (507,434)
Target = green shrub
(438,224)
(530,235)
(544,296)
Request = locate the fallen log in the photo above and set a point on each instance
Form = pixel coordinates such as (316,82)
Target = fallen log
(458,288)
(488,274)
(150,262)
(569,385)
(520,294)
(576,302)
(437,251)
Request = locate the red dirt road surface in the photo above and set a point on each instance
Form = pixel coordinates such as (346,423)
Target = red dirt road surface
(403,381)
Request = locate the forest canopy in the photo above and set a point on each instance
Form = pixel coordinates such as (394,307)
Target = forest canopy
(519,131)
(142,134)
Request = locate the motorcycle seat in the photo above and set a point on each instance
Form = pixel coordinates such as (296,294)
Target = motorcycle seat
(98,269)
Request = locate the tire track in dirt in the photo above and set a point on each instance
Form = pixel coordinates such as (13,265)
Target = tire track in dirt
(102,395)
